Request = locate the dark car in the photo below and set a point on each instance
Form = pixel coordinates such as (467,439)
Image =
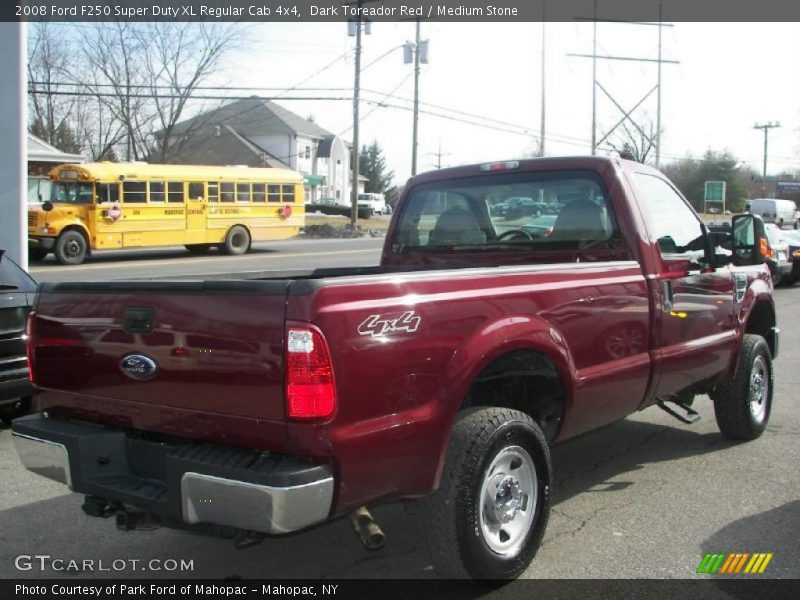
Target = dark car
(517,207)
(16,296)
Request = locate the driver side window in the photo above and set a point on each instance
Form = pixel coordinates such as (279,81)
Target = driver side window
(672,224)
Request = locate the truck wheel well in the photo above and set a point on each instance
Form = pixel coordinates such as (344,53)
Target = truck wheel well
(523,380)
(761,321)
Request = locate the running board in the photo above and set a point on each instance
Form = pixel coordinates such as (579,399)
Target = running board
(690,417)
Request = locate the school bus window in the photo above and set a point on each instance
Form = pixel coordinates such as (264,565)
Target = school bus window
(74,193)
(226,192)
(134,191)
(259,192)
(156,191)
(196,190)
(243,192)
(213,191)
(175,191)
(108,192)
(288,193)
(274,193)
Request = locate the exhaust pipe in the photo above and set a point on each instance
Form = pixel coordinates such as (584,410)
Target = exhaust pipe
(367,529)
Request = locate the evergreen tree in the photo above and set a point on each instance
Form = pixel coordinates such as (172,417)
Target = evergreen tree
(372,165)
(690,175)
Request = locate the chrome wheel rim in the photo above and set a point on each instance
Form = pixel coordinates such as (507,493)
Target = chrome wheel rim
(508,500)
(758,392)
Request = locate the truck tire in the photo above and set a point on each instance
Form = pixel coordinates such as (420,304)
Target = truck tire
(488,516)
(237,241)
(70,248)
(743,405)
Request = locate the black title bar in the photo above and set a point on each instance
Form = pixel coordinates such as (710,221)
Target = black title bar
(400,10)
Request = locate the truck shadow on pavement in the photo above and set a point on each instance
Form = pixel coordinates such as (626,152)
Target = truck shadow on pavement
(331,550)
(775,531)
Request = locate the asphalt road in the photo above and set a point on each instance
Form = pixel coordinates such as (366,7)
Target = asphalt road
(644,498)
(288,255)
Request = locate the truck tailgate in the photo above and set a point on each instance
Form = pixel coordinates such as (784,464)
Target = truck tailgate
(197,359)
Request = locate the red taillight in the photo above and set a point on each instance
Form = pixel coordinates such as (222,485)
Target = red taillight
(29,332)
(500,166)
(310,388)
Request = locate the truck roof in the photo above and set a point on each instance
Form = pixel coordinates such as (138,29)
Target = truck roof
(592,163)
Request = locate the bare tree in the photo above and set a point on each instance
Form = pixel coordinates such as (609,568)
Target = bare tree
(635,140)
(48,68)
(145,74)
(182,57)
(101,132)
(114,53)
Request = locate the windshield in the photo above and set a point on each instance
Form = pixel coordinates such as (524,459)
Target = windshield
(534,211)
(74,193)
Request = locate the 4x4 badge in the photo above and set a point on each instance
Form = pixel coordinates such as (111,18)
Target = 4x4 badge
(379,325)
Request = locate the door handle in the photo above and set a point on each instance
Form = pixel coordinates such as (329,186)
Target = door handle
(666,292)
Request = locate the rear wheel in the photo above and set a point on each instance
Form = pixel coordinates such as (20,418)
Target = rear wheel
(488,516)
(237,241)
(743,405)
(71,248)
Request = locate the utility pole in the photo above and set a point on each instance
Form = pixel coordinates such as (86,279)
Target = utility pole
(655,139)
(354,28)
(419,50)
(594,80)
(766,127)
(542,126)
(658,110)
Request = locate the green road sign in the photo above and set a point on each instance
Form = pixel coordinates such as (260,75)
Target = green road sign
(715,191)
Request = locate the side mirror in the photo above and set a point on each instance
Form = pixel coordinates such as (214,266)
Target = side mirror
(47,206)
(749,240)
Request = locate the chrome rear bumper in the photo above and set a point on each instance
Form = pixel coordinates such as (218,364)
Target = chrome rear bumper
(191,483)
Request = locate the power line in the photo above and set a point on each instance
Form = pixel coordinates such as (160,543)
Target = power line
(198,87)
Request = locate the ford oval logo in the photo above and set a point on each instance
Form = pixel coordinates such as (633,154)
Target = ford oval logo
(138,367)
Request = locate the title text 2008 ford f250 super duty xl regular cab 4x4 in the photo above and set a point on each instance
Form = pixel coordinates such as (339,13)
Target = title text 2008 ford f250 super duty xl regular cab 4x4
(445,374)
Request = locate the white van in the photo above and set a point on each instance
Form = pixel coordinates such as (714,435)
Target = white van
(376,202)
(773,210)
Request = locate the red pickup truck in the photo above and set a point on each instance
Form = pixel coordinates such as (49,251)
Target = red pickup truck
(266,406)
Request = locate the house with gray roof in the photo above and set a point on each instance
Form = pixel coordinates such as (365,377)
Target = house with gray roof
(42,157)
(260,133)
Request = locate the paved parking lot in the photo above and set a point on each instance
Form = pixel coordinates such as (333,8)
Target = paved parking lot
(644,498)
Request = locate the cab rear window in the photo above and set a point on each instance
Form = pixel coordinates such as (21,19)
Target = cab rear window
(508,212)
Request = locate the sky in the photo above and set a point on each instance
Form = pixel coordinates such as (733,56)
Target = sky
(730,76)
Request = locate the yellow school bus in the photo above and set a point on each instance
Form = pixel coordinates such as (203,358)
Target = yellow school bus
(101,206)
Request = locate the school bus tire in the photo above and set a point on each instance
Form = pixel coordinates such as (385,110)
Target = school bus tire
(237,241)
(71,247)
